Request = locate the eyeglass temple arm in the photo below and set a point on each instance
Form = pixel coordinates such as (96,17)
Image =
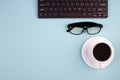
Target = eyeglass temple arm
(84,23)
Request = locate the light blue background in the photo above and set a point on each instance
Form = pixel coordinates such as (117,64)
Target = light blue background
(40,49)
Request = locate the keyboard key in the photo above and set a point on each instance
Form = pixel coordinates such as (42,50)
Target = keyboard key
(103,4)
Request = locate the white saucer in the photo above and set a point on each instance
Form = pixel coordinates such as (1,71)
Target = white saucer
(87,51)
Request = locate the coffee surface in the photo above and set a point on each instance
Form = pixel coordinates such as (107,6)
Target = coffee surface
(102,52)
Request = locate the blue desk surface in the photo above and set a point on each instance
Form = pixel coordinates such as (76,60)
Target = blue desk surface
(40,49)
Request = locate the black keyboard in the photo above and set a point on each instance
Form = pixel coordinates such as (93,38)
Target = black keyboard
(72,8)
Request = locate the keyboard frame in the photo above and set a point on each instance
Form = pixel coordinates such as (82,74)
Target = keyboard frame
(59,16)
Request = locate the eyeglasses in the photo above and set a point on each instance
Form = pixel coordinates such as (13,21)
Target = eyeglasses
(78,28)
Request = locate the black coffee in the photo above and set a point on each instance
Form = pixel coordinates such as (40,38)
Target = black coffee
(102,52)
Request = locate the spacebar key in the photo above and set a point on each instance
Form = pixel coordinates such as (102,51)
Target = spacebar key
(70,15)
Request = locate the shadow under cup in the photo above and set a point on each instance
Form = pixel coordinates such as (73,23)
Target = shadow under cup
(102,52)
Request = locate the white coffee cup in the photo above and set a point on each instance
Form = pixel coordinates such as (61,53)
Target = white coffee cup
(98,52)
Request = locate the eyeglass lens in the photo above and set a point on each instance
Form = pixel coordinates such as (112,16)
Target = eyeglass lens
(76,30)
(93,30)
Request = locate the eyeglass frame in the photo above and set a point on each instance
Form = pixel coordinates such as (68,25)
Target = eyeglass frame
(85,26)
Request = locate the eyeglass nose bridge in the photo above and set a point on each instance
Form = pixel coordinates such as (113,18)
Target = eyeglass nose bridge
(85,27)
